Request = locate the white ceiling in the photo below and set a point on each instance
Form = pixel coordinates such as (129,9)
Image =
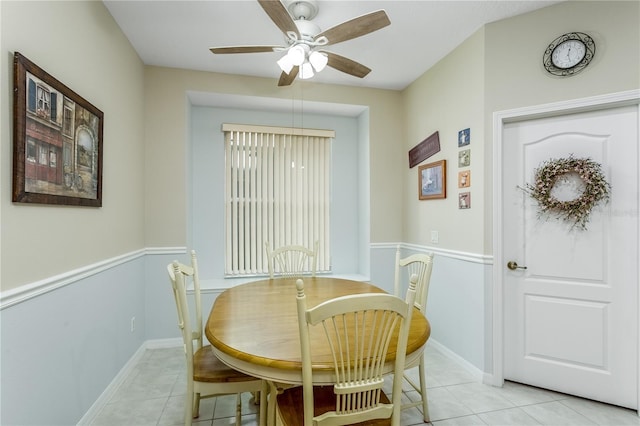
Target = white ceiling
(179,33)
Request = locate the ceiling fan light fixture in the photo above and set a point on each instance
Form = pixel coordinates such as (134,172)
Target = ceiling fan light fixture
(285,64)
(318,60)
(297,55)
(306,71)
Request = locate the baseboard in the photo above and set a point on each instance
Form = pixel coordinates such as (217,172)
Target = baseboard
(472,369)
(112,388)
(490,379)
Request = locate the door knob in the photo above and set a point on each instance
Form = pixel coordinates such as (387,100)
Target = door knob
(513,266)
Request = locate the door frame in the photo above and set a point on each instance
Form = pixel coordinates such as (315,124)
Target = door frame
(500,119)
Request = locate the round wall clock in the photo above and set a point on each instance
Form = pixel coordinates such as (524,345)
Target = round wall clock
(569,54)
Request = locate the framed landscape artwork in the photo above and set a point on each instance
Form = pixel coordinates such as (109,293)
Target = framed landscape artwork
(57,141)
(432,180)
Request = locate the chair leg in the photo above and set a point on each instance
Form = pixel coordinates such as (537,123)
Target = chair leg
(263,403)
(238,409)
(273,395)
(423,392)
(196,406)
(190,403)
(188,408)
(421,388)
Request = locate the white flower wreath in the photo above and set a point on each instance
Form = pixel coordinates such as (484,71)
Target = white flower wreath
(577,211)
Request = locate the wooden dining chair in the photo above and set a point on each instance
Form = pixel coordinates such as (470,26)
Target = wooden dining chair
(419,264)
(292,261)
(358,330)
(207,376)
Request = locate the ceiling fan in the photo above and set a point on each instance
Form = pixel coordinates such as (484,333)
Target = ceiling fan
(305,41)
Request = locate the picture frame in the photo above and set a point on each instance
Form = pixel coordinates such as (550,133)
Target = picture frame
(464,179)
(464,158)
(464,137)
(432,182)
(57,141)
(464,200)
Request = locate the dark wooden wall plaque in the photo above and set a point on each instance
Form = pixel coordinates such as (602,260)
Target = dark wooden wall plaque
(424,149)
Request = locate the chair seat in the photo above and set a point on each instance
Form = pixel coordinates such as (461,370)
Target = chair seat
(208,368)
(290,405)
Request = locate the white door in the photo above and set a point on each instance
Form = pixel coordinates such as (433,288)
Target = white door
(571,317)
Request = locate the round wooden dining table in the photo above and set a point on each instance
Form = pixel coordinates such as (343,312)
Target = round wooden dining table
(253,328)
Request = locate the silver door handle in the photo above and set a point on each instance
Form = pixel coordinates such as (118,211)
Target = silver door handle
(513,266)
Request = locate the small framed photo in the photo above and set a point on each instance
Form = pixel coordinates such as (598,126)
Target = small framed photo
(432,182)
(464,137)
(464,200)
(464,158)
(57,141)
(464,179)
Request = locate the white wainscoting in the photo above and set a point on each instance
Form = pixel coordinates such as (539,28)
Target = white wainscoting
(459,302)
(67,340)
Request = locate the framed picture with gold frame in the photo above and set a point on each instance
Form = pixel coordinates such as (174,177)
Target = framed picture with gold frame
(432,182)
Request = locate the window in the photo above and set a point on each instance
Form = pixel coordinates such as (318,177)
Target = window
(67,126)
(43,98)
(277,189)
(43,157)
(31,150)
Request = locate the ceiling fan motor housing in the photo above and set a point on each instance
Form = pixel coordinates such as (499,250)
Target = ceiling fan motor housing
(302,9)
(307,29)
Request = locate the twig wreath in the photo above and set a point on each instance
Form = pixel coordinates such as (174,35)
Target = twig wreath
(576,211)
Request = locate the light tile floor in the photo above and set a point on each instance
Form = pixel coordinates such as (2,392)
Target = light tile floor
(154,393)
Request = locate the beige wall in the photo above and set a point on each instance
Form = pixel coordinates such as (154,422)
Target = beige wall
(516,78)
(499,68)
(145,136)
(166,109)
(39,241)
(146,130)
(448,98)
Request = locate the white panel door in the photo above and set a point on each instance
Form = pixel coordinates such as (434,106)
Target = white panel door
(571,317)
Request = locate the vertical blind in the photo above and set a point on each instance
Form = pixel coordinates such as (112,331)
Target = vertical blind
(277,190)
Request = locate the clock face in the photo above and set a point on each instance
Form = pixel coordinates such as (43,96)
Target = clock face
(568,54)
